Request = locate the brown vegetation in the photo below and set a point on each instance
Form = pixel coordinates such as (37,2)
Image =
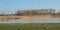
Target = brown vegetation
(27,17)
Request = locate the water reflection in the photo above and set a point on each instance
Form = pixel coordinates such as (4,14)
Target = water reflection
(33,21)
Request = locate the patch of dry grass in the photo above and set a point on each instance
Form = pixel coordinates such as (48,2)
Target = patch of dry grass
(26,17)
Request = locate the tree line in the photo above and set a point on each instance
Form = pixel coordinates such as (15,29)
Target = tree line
(33,12)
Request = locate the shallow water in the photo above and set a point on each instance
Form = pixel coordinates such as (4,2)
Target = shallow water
(32,21)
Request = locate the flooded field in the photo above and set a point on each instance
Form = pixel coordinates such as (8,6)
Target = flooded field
(32,21)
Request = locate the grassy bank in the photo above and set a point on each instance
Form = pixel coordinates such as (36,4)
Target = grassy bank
(31,26)
(26,17)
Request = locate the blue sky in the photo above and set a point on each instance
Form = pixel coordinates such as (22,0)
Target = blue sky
(10,6)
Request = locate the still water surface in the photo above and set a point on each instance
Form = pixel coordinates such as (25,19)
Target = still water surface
(32,21)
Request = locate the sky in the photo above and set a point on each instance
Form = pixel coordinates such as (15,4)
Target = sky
(11,6)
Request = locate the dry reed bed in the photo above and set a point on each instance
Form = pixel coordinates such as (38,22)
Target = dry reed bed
(26,17)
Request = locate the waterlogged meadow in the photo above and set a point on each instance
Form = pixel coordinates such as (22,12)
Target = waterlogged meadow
(30,26)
